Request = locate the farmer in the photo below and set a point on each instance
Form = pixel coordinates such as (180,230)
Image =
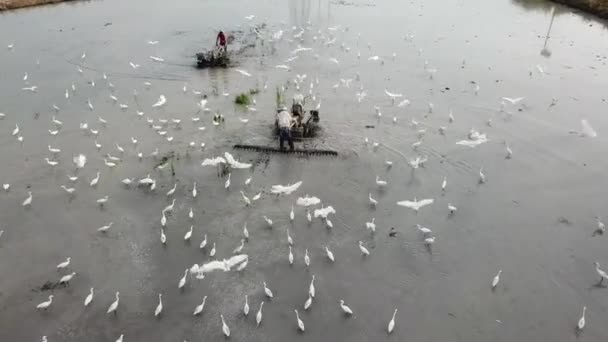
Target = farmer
(285,122)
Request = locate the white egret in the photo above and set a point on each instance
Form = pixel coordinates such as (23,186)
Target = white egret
(172,191)
(68,190)
(415,204)
(182,281)
(45,305)
(345,308)
(89,298)
(258,316)
(308,302)
(245,231)
(290,256)
(603,275)
(67,278)
(444,184)
(363,250)
(330,254)
(199,308)
(169,208)
(308,216)
(105,228)
(159,307)
(381,183)
(191,214)
(64,264)
(227,184)
(391,324)
(212,252)
(300,323)
(256,197)
(239,248)
(268,221)
(429,241)
(581,321)
(513,101)
(306,258)
(194,193)
(163,237)
(267,291)
(51,162)
(188,234)
(103,200)
(371,225)
(496,279)
(245,198)
(425,231)
(120,338)
(372,201)
(289,239)
(246,306)
(482,176)
(114,306)
(291,215)
(452,208)
(311,287)
(95,180)
(163,220)
(204,242)
(225,328)
(28,200)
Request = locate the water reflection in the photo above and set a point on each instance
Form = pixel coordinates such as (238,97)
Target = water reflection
(300,11)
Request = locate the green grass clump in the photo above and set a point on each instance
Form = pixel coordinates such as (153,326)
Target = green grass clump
(243,99)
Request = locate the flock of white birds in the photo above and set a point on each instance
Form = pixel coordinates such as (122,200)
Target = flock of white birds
(313,206)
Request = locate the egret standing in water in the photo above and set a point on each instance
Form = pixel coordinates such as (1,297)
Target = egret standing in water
(345,308)
(581,321)
(308,302)
(199,308)
(89,298)
(182,281)
(306,258)
(496,279)
(258,316)
(290,256)
(45,305)
(300,323)
(311,287)
(246,306)
(28,200)
(159,307)
(114,306)
(391,324)
(225,328)
(363,249)
(267,291)
(601,272)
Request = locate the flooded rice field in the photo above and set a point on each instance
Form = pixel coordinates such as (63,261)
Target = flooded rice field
(494,110)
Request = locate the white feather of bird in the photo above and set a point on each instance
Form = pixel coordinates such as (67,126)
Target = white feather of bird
(188,234)
(371,225)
